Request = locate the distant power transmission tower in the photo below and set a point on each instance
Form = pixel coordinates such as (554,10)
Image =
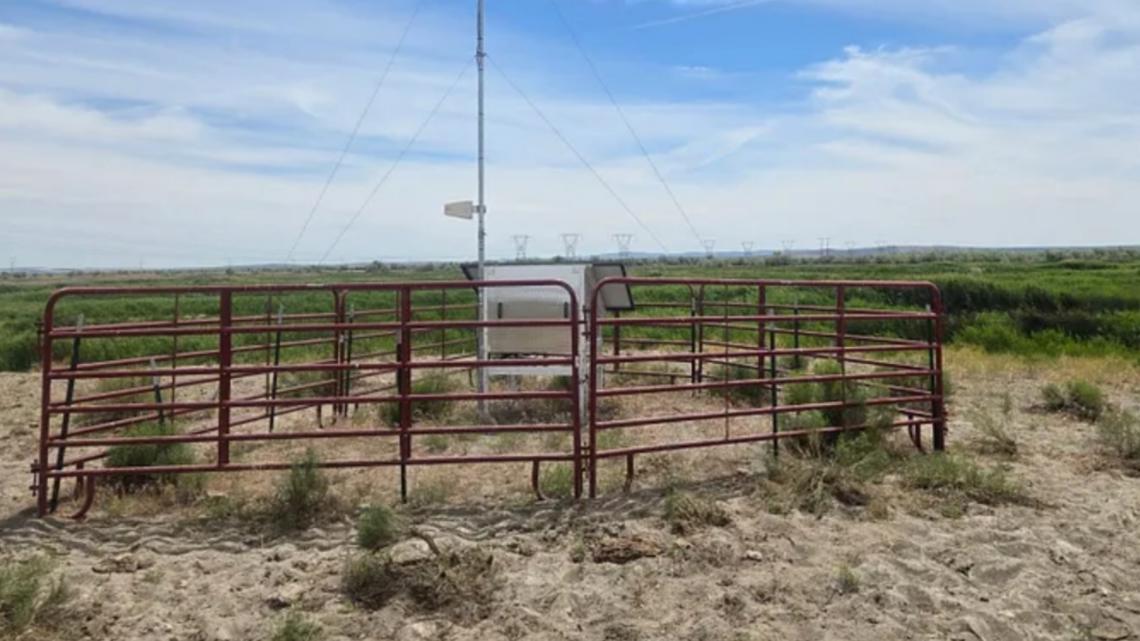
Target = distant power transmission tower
(824,246)
(570,245)
(788,245)
(521,241)
(709,245)
(747,248)
(623,242)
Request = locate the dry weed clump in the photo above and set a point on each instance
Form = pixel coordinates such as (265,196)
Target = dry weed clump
(686,513)
(1119,434)
(813,481)
(954,477)
(295,627)
(994,437)
(28,597)
(461,584)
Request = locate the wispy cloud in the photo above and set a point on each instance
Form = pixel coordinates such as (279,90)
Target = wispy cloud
(717,8)
(195,134)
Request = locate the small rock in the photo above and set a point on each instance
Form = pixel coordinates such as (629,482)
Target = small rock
(419,631)
(410,551)
(754,555)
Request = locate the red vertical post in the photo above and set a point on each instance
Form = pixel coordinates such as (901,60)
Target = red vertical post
(576,387)
(338,355)
(45,414)
(592,447)
(617,340)
(404,386)
(939,405)
(700,347)
(174,360)
(443,329)
(225,361)
(762,334)
(841,344)
(694,375)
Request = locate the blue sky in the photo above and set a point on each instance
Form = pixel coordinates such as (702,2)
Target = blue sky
(201,133)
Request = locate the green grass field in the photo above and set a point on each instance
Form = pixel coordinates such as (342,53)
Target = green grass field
(1041,304)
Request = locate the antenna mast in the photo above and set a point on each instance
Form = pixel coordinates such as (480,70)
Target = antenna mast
(481,207)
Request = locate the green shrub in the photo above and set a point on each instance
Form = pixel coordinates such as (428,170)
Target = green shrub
(303,496)
(1053,398)
(294,627)
(994,438)
(110,385)
(846,581)
(1119,434)
(148,455)
(798,393)
(437,410)
(27,596)
(835,391)
(1085,399)
(1080,398)
(368,580)
(436,443)
(557,481)
(377,527)
(955,476)
(754,395)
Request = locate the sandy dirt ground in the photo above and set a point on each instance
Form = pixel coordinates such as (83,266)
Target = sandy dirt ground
(1066,568)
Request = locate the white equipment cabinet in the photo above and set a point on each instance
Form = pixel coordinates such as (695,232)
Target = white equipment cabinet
(545,303)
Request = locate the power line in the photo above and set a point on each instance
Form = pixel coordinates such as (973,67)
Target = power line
(625,120)
(396,162)
(577,153)
(355,130)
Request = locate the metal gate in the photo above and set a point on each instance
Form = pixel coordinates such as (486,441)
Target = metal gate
(219,368)
(752,342)
(230,363)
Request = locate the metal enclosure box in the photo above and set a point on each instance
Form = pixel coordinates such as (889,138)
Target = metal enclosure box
(533,303)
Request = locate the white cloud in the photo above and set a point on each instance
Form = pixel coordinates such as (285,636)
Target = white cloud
(197,149)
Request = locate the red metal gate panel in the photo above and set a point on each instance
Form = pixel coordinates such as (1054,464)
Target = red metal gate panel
(229,364)
(234,390)
(690,326)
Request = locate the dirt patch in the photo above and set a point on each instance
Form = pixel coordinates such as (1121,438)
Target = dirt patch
(901,566)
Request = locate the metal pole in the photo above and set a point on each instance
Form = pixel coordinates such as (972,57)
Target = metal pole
(481,333)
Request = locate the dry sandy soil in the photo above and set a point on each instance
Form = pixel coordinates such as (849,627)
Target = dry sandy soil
(1067,568)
